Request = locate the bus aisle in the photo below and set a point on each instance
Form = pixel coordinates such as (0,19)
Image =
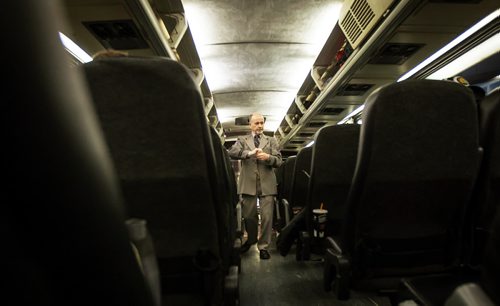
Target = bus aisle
(283,281)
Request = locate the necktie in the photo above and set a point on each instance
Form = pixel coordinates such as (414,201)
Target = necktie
(256,141)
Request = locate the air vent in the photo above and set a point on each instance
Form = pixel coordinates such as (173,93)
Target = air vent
(241,120)
(316,124)
(358,17)
(304,134)
(395,53)
(334,111)
(354,89)
(117,34)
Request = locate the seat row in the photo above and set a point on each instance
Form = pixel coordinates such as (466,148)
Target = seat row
(413,191)
(174,174)
(64,223)
(109,202)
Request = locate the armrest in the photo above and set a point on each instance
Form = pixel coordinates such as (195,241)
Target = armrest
(143,248)
(286,209)
(469,294)
(337,270)
(434,289)
(332,244)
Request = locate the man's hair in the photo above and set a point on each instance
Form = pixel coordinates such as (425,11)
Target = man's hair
(255,115)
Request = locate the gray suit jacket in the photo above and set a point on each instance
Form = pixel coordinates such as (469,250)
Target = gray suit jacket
(250,166)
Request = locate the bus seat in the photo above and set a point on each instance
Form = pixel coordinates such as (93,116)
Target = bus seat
(491,265)
(284,209)
(290,233)
(63,225)
(461,288)
(334,159)
(278,223)
(486,199)
(142,243)
(298,197)
(332,166)
(417,162)
(279,180)
(482,266)
(146,107)
(229,195)
(300,182)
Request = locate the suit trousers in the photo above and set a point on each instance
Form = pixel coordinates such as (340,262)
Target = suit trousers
(251,219)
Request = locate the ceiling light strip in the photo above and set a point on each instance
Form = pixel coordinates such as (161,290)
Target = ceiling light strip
(452,44)
(466,60)
(74,49)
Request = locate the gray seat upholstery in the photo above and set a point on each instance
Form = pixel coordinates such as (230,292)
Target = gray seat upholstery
(283,211)
(486,200)
(300,183)
(288,177)
(490,175)
(278,221)
(279,180)
(229,195)
(64,235)
(297,200)
(490,280)
(465,286)
(333,159)
(482,247)
(417,162)
(146,107)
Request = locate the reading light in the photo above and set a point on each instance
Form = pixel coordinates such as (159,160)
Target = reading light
(74,49)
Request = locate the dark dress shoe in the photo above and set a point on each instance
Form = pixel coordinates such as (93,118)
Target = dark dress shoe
(264,254)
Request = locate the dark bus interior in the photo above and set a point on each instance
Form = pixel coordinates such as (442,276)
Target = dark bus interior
(120,189)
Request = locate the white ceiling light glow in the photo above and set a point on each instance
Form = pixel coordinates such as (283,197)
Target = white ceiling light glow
(74,49)
(452,44)
(230,59)
(472,57)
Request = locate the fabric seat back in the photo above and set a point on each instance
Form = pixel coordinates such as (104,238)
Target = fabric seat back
(486,200)
(288,172)
(333,161)
(147,106)
(417,162)
(63,225)
(228,195)
(301,174)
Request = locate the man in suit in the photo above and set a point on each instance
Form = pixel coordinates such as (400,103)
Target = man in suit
(259,154)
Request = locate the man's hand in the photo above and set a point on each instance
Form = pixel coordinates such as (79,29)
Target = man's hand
(254,152)
(261,155)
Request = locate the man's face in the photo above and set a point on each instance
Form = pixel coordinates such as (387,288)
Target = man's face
(257,124)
